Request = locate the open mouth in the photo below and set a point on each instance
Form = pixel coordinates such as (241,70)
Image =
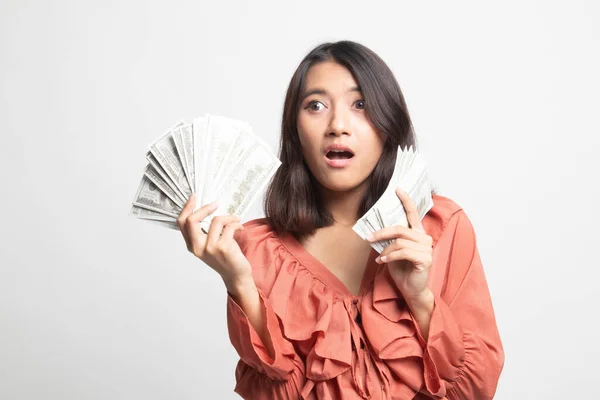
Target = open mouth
(339,154)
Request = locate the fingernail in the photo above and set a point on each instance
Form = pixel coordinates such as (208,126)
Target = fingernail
(383,259)
(378,260)
(369,236)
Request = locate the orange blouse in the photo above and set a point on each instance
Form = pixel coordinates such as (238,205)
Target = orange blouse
(330,344)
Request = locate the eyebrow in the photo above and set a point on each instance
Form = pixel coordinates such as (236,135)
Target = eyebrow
(324,92)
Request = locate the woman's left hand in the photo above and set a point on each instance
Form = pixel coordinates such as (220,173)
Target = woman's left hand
(410,256)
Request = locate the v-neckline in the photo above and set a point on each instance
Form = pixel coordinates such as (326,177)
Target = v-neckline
(319,270)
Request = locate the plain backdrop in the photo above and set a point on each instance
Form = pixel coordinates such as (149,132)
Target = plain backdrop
(95,304)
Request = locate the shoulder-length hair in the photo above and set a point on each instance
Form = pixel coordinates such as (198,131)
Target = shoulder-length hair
(292,201)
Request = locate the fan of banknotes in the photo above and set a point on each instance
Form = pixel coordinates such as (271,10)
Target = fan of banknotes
(410,174)
(217,158)
(221,159)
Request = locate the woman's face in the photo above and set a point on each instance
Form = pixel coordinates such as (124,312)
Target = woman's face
(339,143)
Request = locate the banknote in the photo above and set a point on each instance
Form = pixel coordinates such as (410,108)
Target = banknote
(249,177)
(153,162)
(150,197)
(151,173)
(217,158)
(178,142)
(187,143)
(165,152)
(221,136)
(410,174)
(143,213)
(199,132)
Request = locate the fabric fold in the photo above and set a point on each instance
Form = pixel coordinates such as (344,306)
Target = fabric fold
(312,323)
(314,315)
(462,356)
(249,345)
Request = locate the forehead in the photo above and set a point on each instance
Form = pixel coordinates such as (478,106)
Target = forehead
(330,76)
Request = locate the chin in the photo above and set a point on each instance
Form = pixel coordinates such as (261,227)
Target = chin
(340,186)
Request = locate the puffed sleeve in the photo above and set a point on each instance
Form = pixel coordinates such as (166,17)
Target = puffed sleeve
(258,376)
(463,356)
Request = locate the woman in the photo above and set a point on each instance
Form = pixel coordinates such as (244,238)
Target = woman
(313,311)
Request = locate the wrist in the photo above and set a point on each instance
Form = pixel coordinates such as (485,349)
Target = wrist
(421,301)
(237,286)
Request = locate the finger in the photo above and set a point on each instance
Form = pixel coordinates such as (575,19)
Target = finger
(404,244)
(393,232)
(195,234)
(202,212)
(216,228)
(412,213)
(418,259)
(230,230)
(185,212)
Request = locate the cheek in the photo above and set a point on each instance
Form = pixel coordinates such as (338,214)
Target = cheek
(308,141)
(377,145)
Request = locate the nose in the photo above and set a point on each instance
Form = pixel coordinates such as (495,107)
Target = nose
(339,123)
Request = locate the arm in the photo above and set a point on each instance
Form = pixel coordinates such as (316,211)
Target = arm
(463,354)
(422,310)
(269,367)
(245,294)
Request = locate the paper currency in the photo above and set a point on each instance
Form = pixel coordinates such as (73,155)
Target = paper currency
(410,174)
(220,159)
(248,178)
(165,152)
(150,197)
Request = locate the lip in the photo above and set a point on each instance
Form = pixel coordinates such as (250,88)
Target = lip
(338,163)
(338,146)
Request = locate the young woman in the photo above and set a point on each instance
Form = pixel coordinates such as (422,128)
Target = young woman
(313,311)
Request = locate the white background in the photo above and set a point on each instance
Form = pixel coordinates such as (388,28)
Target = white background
(95,304)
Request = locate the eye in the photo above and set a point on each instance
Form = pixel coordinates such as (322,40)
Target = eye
(314,106)
(360,104)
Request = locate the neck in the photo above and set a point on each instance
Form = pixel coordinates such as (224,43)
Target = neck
(343,206)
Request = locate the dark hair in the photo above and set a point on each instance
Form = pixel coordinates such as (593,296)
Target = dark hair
(292,202)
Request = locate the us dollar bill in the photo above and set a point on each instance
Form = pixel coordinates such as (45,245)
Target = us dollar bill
(178,141)
(143,213)
(221,135)
(239,147)
(158,180)
(251,174)
(220,159)
(165,152)
(410,174)
(199,133)
(150,197)
(187,139)
(160,171)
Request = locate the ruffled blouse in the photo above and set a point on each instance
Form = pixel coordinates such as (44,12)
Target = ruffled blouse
(331,344)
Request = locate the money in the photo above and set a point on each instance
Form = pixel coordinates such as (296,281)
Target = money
(219,159)
(150,197)
(410,174)
(165,152)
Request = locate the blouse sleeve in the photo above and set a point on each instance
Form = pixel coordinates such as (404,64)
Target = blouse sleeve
(463,356)
(258,376)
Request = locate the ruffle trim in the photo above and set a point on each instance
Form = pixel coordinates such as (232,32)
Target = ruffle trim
(316,313)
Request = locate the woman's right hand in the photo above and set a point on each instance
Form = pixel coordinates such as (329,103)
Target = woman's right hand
(217,248)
